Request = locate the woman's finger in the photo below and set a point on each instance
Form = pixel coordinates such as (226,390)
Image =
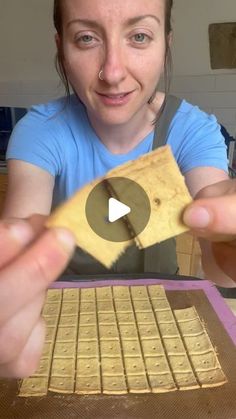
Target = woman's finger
(33,271)
(14,236)
(27,361)
(213,218)
(16,331)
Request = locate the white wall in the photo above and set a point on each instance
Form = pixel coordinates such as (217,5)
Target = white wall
(212,90)
(27,73)
(27,51)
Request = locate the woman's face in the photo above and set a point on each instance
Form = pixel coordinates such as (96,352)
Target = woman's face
(124,38)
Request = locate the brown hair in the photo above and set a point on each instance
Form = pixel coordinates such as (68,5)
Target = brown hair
(57,17)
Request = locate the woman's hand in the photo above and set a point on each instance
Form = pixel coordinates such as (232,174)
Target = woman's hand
(213,216)
(30,259)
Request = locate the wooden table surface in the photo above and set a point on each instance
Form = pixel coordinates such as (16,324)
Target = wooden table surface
(231,302)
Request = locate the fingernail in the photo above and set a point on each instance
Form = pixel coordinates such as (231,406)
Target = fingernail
(197,217)
(20,230)
(66,239)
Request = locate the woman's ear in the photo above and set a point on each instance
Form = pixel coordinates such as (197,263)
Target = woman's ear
(170,38)
(57,41)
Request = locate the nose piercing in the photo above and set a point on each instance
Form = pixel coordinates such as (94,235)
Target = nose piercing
(100,75)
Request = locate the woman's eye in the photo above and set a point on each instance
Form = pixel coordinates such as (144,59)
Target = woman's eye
(140,38)
(86,39)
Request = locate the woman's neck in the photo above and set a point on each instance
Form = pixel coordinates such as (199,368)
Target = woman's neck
(122,138)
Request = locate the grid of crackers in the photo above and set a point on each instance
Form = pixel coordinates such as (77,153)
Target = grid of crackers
(121,339)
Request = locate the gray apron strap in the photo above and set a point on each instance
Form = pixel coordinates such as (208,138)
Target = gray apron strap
(162,257)
(162,125)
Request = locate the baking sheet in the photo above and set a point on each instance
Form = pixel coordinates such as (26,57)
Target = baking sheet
(217,403)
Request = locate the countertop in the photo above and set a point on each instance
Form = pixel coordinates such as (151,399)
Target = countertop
(231,302)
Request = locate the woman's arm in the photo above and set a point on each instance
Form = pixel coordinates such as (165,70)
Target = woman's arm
(30,190)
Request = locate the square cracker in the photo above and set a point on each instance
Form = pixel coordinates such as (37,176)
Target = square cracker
(104,293)
(114,385)
(112,366)
(128,331)
(134,365)
(87,294)
(63,367)
(47,350)
(51,309)
(197,344)
(157,364)
(158,174)
(125,318)
(87,332)
(43,369)
(121,292)
(212,378)
(88,349)
(34,386)
(106,318)
(110,348)
(72,215)
(53,295)
(148,331)
(88,385)
(138,384)
(88,367)
(108,332)
(70,294)
(186,380)
(87,319)
(206,361)
(64,350)
(152,347)
(145,317)
(179,363)
(156,291)
(131,348)
(66,334)
(161,383)
(62,384)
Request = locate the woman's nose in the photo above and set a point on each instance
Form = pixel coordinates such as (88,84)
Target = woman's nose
(113,66)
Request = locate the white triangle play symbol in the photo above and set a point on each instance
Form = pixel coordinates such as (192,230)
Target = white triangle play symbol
(116,210)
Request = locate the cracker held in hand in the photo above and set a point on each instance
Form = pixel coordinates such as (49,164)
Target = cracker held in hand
(158,174)
(72,215)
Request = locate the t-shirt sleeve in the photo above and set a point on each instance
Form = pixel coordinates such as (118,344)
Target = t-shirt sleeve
(36,140)
(197,141)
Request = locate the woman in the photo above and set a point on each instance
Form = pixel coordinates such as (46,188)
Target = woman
(113,55)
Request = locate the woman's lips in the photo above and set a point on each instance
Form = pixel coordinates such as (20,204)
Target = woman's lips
(117,99)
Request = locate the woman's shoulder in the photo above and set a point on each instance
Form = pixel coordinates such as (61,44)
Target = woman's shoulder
(192,117)
(192,111)
(54,111)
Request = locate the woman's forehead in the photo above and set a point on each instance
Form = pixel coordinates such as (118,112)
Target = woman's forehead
(113,9)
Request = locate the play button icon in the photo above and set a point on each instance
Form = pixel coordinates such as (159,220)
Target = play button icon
(116,210)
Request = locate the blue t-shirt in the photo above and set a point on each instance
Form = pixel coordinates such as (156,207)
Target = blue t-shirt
(59,138)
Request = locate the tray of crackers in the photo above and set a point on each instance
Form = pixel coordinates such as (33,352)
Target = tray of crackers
(131,348)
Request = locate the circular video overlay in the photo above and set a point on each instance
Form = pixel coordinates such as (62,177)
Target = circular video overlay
(118,209)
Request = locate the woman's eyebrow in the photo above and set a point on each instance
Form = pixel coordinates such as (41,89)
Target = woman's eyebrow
(129,22)
(136,19)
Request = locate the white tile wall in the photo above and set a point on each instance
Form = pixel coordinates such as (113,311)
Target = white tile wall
(25,94)
(213,93)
